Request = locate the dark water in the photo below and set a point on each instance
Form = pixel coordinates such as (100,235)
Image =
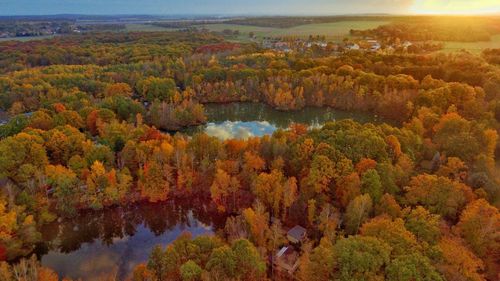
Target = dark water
(95,244)
(243,120)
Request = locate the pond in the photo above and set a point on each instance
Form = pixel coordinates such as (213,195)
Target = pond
(244,120)
(115,240)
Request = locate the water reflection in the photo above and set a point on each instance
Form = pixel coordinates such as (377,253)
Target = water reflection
(244,120)
(239,129)
(115,240)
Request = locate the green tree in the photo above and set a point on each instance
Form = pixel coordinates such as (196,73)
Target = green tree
(424,225)
(190,271)
(357,212)
(411,267)
(361,258)
(370,183)
(249,263)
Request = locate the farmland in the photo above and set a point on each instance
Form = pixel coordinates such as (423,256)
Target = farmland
(473,47)
(330,30)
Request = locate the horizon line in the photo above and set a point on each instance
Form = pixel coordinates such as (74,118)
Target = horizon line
(254,14)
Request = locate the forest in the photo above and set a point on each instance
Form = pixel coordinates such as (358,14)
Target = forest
(92,124)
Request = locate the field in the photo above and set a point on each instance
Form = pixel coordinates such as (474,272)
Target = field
(26,38)
(473,47)
(332,31)
(136,27)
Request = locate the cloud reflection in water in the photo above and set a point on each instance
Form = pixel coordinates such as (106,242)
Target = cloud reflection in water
(240,130)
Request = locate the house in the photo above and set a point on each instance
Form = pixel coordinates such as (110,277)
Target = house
(374,45)
(406,44)
(352,46)
(318,44)
(297,234)
(268,42)
(287,260)
(282,46)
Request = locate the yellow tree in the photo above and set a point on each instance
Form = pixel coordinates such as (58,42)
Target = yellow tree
(223,187)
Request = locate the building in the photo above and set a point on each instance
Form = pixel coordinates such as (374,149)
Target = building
(406,44)
(297,234)
(287,260)
(352,46)
(374,45)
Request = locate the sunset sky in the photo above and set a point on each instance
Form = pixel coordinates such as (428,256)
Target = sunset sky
(330,7)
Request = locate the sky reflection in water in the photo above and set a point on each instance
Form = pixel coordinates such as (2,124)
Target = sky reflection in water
(95,260)
(239,130)
(245,120)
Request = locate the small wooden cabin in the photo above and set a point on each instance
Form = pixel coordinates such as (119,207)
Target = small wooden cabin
(297,234)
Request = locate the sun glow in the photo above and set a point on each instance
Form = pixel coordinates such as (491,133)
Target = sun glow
(454,7)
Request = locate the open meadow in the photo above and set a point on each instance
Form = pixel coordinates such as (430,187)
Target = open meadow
(334,30)
(473,47)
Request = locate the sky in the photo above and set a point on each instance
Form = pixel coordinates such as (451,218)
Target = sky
(246,7)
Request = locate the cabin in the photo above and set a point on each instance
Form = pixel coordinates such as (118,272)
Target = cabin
(352,46)
(286,260)
(297,234)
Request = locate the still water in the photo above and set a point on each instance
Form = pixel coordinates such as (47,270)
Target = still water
(244,120)
(94,244)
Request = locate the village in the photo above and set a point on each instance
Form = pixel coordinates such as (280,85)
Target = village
(288,45)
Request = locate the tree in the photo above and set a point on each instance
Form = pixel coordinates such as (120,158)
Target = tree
(142,273)
(153,88)
(347,189)
(156,262)
(275,236)
(388,206)
(249,264)
(64,182)
(424,225)
(258,224)
(224,187)
(269,189)
(392,232)
(321,174)
(118,89)
(21,157)
(361,258)
(370,184)
(357,212)
(154,181)
(320,264)
(411,267)
(364,165)
(438,194)
(479,225)
(289,195)
(458,263)
(311,211)
(190,271)
(222,264)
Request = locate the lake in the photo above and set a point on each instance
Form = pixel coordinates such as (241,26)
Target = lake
(244,120)
(115,240)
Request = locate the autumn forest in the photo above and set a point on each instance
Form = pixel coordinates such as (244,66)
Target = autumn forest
(94,122)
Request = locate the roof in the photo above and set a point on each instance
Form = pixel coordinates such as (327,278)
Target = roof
(287,256)
(297,232)
(282,251)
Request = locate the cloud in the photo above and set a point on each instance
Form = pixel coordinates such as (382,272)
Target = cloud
(239,130)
